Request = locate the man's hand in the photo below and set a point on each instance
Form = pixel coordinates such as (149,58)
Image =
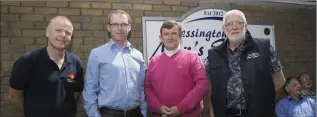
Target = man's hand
(16,97)
(174,112)
(211,111)
(77,96)
(164,110)
(211,114)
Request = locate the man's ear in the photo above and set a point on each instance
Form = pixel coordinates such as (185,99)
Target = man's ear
(180,35)
(129,28)
(224,29)
(47,33)
(287,89)
(108,27)
(161,38)
(246,27)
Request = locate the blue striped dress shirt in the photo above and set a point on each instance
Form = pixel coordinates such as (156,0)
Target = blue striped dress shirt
(288,107)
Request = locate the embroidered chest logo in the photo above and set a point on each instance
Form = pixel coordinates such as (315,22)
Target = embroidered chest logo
(71,77)
(253,56)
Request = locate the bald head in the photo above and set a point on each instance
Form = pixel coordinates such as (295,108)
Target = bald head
(59,19)
(234,12)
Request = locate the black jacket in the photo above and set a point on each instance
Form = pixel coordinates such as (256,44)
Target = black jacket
(256,76)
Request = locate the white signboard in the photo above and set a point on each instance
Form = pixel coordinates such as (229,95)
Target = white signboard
(201,30)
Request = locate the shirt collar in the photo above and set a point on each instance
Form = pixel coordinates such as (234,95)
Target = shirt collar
(290,98)
(114,45)
(67,59)
(308,93)
(172,52)
(239,48)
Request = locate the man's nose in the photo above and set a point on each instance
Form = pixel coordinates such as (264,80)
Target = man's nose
(120,27)
(234,27)
(169,36)
(63,34)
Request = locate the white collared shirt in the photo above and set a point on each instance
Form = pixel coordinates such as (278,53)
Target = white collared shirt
(170,53)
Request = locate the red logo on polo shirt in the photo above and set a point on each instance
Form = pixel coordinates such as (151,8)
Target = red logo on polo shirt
(71,75)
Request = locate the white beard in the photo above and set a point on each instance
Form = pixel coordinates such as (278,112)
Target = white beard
(236,38)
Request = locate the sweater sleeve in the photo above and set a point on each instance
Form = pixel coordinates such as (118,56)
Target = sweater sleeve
(152,100)
(196,95)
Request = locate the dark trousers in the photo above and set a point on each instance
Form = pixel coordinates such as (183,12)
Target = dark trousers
(236,113)
(106,112)
(228,115)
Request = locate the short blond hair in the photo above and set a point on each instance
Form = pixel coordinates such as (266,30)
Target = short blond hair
(122,12)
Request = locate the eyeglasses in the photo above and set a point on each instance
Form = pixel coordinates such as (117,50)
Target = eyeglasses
(116,25)
(238,24)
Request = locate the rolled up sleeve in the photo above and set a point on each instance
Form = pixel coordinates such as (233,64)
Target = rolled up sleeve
(275,61)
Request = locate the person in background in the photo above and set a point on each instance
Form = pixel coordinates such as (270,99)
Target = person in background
(50,78)
(176,80)
(307,85)
(245,72)
(295,104)
(114,82)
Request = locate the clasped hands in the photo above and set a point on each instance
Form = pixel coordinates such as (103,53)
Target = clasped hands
(169,112)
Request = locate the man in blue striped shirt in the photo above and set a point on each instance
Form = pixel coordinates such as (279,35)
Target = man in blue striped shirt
(295,105)
(114,82)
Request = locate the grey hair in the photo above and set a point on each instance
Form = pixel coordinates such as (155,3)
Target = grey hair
(235,11)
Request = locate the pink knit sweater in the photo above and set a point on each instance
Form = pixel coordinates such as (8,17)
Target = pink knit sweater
(179,80)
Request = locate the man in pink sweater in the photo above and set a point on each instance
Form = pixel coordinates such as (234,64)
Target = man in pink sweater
(176,79)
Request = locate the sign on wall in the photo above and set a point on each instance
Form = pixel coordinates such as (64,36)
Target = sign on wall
(201,30)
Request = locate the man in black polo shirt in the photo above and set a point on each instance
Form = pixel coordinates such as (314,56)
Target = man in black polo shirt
(48,77)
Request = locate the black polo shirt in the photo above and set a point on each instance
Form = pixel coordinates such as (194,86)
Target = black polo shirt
(48,90)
